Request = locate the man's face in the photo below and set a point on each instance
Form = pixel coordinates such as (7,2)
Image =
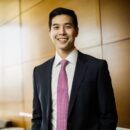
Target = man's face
(63,33)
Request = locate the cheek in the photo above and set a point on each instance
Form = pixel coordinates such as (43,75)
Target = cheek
(73,34)
(51,35)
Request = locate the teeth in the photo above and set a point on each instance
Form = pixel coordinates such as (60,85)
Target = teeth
(62,39)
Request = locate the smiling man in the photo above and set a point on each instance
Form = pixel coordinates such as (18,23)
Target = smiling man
(63,33)
(72,91)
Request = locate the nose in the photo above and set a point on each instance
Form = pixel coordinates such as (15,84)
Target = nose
(62,31)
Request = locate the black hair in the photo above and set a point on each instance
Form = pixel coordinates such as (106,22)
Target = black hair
(60,11)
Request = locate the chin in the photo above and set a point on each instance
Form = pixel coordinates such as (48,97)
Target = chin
(62,47)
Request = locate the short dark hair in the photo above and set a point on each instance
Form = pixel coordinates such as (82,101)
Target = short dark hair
(60,11)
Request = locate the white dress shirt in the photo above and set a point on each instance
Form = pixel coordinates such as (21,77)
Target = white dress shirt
(70,69)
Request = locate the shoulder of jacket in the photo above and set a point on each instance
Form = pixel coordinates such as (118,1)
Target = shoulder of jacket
(91,58)
(44,64)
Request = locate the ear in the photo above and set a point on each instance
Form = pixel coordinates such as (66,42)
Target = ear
(76,32)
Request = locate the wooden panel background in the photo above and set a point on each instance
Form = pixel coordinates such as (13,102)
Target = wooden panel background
(24,42)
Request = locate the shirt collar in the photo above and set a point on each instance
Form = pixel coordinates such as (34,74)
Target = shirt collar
(72,58)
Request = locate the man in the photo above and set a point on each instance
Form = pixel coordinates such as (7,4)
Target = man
(83,98)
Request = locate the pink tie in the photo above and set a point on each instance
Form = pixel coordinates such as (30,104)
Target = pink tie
(62,98)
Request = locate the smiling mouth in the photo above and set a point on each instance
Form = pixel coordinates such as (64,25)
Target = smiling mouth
(62,39)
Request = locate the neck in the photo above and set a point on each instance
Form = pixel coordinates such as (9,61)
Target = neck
(63,53)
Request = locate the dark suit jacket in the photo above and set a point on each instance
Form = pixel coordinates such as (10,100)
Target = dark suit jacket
(92,103)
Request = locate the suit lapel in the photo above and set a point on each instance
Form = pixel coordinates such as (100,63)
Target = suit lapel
(78,76)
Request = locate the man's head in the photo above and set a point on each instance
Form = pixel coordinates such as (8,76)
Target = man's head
(63,29)
(61,11)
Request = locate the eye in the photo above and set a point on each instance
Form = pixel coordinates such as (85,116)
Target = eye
(68,26)
(55,27)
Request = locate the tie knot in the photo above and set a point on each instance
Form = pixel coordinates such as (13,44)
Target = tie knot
(64,63)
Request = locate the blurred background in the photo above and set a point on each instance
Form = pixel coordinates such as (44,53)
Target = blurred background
(104,32)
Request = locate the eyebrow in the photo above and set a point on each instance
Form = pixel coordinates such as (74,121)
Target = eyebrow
(55,24)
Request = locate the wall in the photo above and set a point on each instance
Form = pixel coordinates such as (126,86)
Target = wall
(24,42)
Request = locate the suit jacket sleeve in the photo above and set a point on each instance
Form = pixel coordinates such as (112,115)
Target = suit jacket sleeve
(106,101)
(36,114)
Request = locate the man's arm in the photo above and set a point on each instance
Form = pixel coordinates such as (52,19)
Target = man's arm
(106,100)
(36,114)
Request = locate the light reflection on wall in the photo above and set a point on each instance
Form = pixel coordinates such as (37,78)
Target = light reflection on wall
(10,70)
(10,43)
